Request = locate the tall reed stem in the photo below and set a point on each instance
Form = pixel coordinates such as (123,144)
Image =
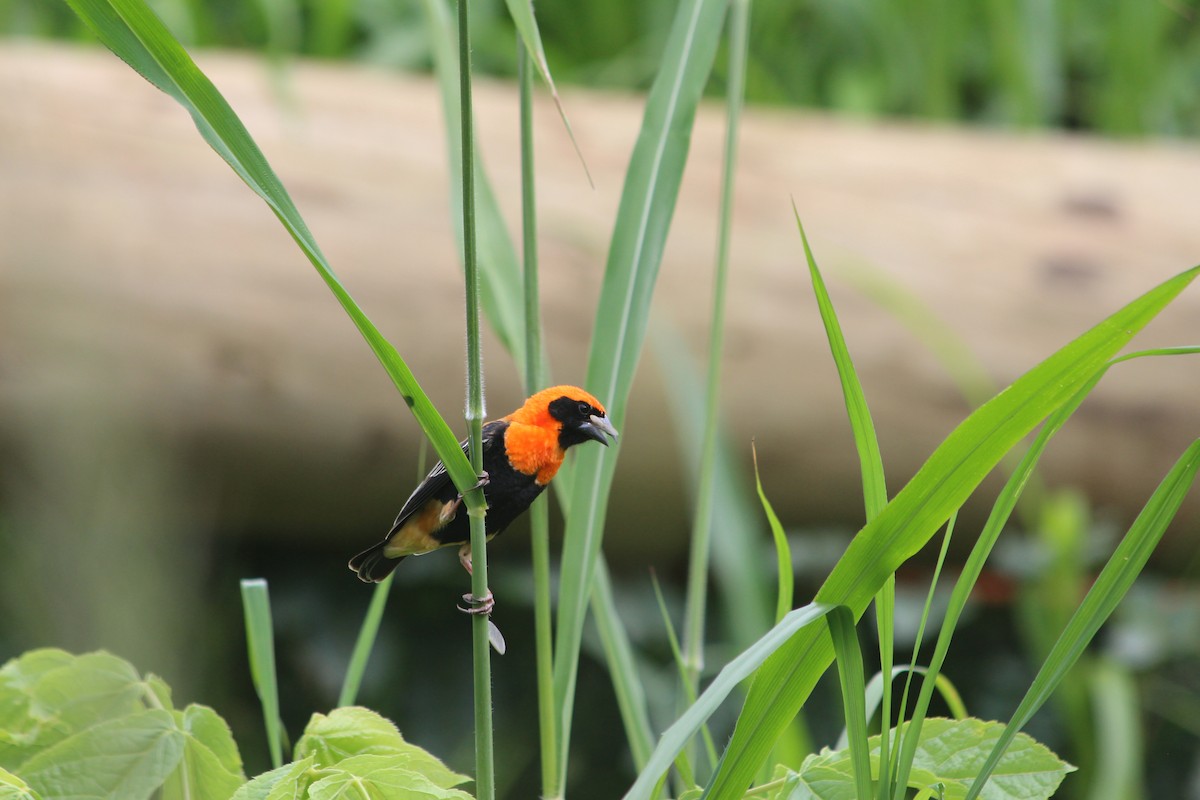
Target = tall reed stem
(485,784)
(539,513)
(697,587)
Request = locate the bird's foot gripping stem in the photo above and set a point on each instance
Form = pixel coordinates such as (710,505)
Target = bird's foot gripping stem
(483,606)
(478,605)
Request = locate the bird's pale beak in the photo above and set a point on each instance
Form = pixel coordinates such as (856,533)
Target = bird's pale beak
(596,428)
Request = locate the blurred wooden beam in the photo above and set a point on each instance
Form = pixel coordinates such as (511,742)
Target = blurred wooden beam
(141,282)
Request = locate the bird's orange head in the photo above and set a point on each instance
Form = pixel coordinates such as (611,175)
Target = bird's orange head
(548,423)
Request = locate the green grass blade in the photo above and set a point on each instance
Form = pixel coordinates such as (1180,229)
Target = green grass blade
(861,424)
(643,219)
(874,485)
(736,567)
(783,553)
(260,643)
(364,643)
(942,484)
(481,624)
(676,737)
(696,604)
(539,512)
(627,684)
(525,22)
(138,37)
(850,676)
(689,693)
(874,696)
(1110,587)
(1003,508)
(1117,712)
(500,273)
(683,764)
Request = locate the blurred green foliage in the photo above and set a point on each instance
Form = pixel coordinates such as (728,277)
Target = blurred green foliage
(1119,67)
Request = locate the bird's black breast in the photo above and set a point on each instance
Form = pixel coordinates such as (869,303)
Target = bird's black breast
(508,492)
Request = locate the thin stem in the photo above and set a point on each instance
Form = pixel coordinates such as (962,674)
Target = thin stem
(697,588)
(539,513)
(485,784)
(365,643)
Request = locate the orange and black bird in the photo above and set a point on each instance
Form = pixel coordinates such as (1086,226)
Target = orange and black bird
(521,453)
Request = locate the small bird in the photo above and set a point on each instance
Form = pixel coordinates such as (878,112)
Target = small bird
(521,453)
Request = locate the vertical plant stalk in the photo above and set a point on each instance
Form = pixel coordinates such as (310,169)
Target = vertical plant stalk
(697,587)
(365,643)
(539,513)
(485,783)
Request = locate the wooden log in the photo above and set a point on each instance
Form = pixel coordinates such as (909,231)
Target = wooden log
(143,286)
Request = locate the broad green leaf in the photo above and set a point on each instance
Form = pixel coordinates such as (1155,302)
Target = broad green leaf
(126,758)
(160,691)
(47,695)
(950,754)
(132,31)
(288,782)
(21,723)
(635,254)
(355,731)
(378,778)
(13,788)
(942,484)
(211,766)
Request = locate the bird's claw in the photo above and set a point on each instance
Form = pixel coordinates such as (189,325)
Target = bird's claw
(484,479)
(478,606)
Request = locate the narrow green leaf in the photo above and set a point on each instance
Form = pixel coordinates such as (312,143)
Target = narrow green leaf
(783,552)
(1117,712)
(635,254)
(902,528)
(874,486)
(365,643)
(627,684)
(861,424)
(132,31)
(260,644)
(1002,509)
(874,695)
(1111,585)
(676,737)
(736,566)
(500,273)
(126,758)
(850,676)
(525,22)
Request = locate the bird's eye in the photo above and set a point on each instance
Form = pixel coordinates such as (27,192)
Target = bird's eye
(585,409)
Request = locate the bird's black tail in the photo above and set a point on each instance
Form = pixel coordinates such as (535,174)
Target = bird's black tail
(372,565)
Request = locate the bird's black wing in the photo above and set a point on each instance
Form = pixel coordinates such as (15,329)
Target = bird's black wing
(438,482)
